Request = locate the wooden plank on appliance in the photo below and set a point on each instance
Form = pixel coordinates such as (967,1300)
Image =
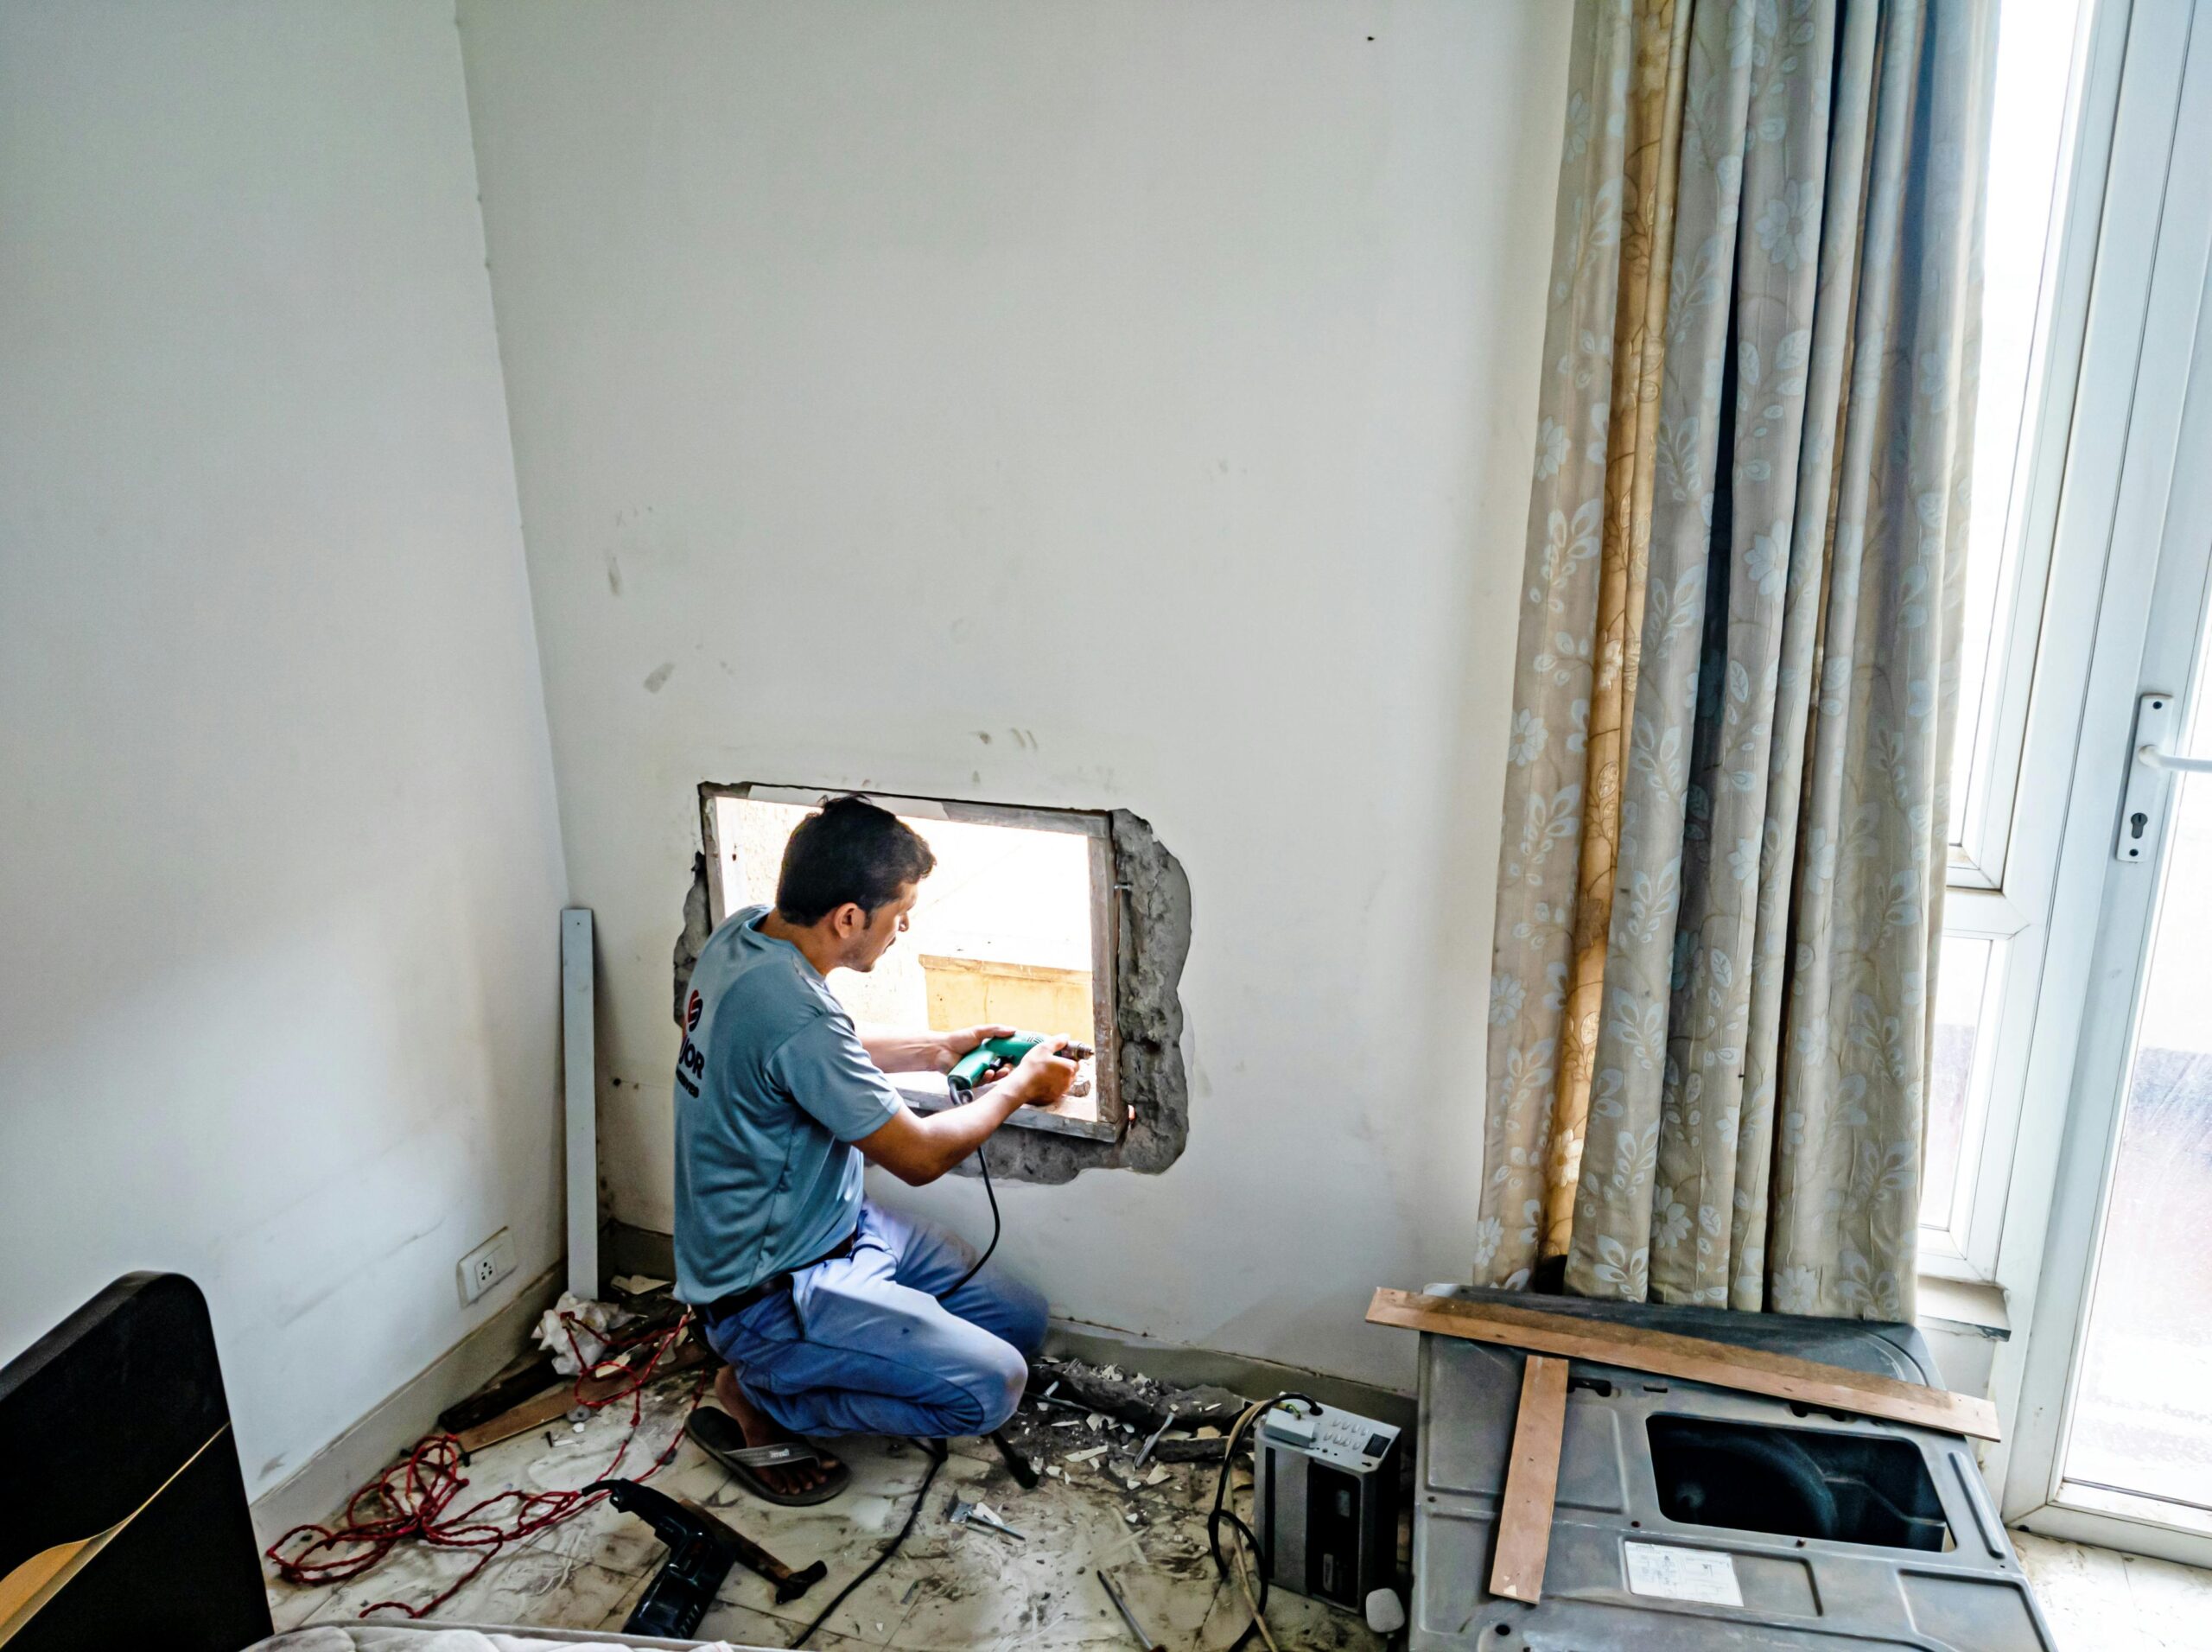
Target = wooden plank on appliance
(1524,1514)
(1694,1359)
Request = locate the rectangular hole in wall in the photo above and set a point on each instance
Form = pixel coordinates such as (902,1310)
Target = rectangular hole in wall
(1014,926)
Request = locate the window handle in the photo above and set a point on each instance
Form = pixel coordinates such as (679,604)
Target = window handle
(2142,810)
(2153,757)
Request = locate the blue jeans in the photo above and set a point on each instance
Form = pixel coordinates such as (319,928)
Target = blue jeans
(861,1345)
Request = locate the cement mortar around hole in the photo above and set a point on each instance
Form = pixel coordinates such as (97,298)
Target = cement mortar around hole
(1154,903)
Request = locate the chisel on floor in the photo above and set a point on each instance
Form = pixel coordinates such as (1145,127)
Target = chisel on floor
(1129,1616)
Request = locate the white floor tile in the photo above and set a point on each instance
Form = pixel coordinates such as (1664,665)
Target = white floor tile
(2097,1600)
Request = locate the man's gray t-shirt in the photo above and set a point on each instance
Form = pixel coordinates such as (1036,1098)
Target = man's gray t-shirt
(772,1088)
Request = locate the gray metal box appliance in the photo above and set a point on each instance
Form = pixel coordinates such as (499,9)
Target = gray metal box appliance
(1324,1498)
(1690,1516)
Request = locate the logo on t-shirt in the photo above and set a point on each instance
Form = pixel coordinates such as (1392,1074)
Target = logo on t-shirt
(690,1062)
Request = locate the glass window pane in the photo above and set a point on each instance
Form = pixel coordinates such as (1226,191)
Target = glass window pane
(1962,980)
(2034,62)
(2143,1417)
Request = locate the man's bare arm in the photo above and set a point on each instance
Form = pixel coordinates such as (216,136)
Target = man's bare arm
(918,1148)
(894,1050)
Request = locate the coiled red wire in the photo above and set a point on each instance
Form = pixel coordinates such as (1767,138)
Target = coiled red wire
(415,1493)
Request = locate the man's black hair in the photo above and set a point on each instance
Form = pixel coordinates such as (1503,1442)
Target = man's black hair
(849,849)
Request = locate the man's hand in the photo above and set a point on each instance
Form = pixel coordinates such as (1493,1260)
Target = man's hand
(917,1149)
(1043,1074)
(957,1043)
(908,1051)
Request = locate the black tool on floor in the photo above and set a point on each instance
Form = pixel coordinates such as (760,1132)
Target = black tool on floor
(701,1548)
(1016,1463)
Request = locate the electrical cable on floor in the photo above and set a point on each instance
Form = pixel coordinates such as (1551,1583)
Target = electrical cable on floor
(937,1449)
(1246,1552)
(416,1493)
(939,1452)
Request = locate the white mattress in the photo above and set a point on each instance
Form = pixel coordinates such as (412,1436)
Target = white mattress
(435,1638)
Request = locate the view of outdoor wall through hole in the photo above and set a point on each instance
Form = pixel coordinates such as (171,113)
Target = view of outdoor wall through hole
(1014,927)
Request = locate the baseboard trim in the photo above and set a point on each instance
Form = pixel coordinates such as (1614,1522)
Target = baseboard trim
(624,1249)
(1253,1378)
(628,1249)
(323,1484)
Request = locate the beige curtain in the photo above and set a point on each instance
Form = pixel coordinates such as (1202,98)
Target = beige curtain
(1720,886)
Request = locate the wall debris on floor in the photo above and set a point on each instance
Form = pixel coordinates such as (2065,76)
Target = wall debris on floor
(950,1587)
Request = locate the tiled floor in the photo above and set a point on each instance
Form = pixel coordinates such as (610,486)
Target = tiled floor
(953,1588)
(950,1588)
(2098,1601)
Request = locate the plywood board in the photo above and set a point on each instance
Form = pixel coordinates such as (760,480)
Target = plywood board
(557,1401)
(1524,1515)
(973,992)
(1694,1359)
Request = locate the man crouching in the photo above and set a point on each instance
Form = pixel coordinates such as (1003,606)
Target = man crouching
(836,1316)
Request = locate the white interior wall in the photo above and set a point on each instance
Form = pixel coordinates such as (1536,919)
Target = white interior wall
(278,898)
(1066,403)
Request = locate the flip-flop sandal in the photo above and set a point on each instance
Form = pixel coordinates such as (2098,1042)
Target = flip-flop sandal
(719,1435)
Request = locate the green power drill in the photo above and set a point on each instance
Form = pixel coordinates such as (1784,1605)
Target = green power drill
(969,1070)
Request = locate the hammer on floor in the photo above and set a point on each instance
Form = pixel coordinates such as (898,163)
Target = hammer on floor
(700,1549)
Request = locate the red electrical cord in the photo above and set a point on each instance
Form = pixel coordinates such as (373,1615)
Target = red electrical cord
(415,1493)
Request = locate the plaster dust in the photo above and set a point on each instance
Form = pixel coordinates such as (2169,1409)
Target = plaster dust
(950,1588)
(1154,897)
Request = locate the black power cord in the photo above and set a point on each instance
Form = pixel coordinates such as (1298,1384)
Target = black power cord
(1221,1515)
(938,1451)
(990,1193)
(984,1165)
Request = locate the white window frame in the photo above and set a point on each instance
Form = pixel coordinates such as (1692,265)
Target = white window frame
(2004,853)
(2146,299)
(1983,819)
(2145,629)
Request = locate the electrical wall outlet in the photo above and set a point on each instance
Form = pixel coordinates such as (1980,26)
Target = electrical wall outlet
(486,1265)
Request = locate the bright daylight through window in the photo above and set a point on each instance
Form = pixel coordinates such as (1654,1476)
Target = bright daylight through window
(2031,339)
(2143,1419)
(1012,927)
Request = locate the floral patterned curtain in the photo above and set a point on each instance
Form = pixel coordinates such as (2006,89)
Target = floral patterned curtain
(1720,886)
